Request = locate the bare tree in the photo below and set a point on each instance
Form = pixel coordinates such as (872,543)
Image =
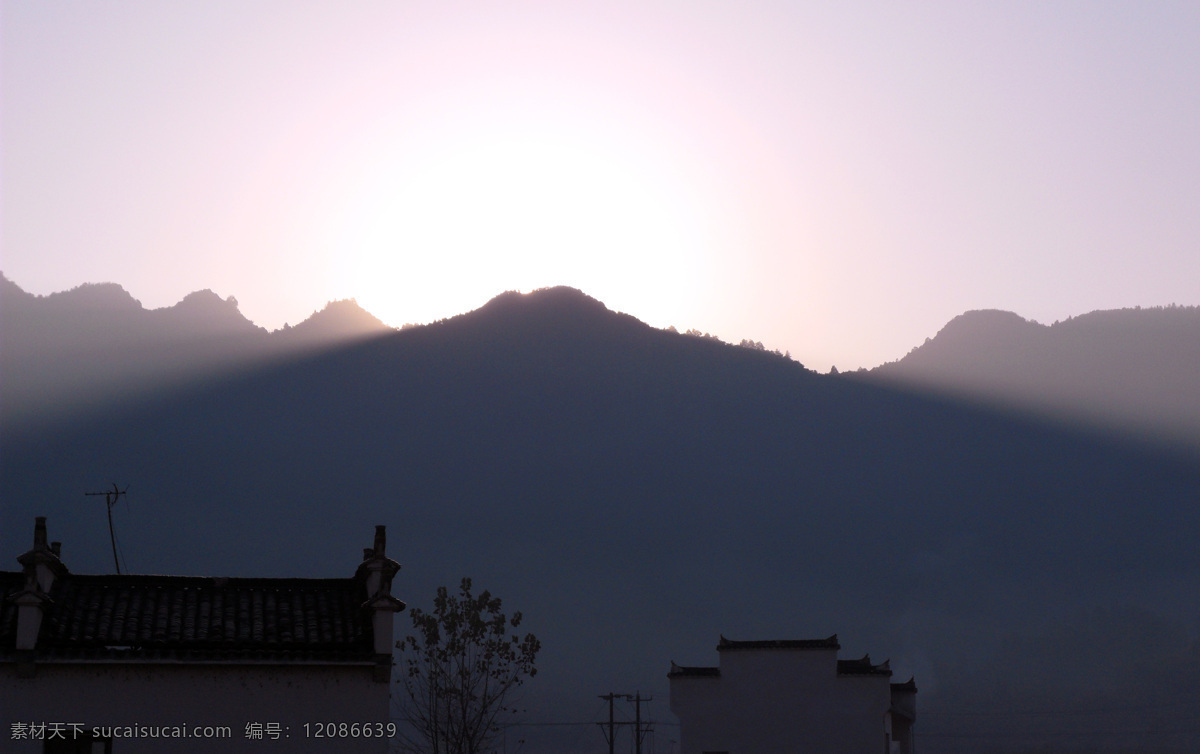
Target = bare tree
(461,671)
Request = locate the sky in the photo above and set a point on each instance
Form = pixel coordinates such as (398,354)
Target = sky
(837,180)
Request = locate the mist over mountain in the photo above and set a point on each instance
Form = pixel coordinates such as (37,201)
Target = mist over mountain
(96,343)
(1132,369)
(637,492)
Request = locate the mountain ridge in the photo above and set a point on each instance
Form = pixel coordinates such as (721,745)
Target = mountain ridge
(1128,370)
(636,492)
(343,315)
(1134,370)
(95,343)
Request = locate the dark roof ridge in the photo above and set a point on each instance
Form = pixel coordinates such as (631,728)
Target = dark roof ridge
(218,581)
(194,617)
(864,666)
(697,672)
(909,685)
(827,643)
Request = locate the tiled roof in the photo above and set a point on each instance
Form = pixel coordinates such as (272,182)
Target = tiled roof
(136,617)
(908,686)
(830,643)
(863,667)
(680,670)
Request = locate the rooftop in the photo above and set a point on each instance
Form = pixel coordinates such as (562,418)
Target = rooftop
(156,617)
(677,670)
(48,613)
(726,645)
(863,666)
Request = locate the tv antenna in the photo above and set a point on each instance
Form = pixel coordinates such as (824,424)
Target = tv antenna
(110,499)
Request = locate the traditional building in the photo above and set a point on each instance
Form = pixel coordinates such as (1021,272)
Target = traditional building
(791,696)
(117,663)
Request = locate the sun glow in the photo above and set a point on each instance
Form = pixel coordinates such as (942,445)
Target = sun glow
(425,236)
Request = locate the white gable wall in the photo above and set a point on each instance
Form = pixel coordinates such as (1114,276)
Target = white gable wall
(781,700)
(190,694)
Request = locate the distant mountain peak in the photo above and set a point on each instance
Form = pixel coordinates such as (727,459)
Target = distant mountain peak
(1129,368)
(558,308)
(339,319)
(986,321)
(976,328)
(205,312)
(10,291)
(206,300)
(95,296)
(990,315)
(556,297)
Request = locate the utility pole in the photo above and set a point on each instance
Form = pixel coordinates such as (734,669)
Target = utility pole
(610,734)
(110,499)
(638,733)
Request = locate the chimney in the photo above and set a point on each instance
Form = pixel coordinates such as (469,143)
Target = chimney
(42,562)
(376,571)
(42,567)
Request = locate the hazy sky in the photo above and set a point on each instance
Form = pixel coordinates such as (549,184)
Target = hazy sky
(833,179)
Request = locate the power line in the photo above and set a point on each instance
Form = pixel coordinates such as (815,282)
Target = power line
(639,730)
(1052,712)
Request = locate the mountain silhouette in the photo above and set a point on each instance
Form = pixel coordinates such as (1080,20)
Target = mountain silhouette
(638,492)
(339,320)
(203,314)
(1133,369)
(94,344)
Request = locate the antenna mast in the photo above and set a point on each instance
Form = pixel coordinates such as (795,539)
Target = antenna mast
(110,499)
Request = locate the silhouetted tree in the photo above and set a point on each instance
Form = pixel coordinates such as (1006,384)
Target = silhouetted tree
(461,671)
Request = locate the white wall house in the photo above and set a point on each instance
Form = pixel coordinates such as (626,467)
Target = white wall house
(794,696)
(136,663)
